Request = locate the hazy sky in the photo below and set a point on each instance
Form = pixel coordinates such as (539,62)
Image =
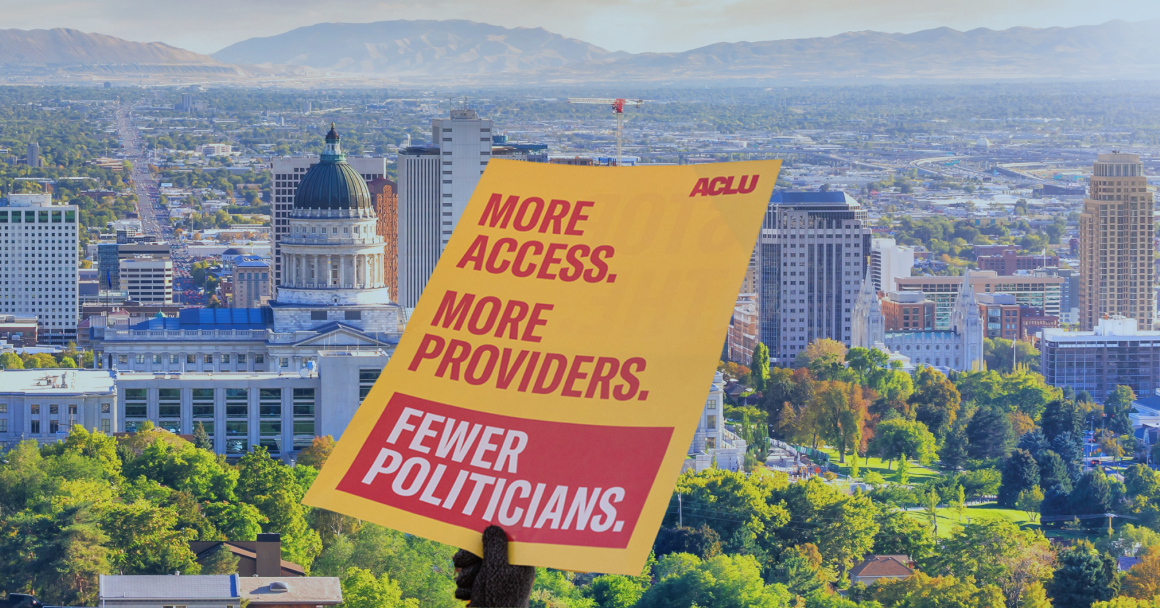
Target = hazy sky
(631,25)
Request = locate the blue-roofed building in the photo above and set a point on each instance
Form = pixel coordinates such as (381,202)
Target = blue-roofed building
(812,256)
(255,374)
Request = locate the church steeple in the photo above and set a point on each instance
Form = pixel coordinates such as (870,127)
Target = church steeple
(869,322)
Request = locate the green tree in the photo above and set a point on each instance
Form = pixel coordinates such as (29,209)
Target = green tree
(842,527)
(989,434)
(221,561)
(801,571)
(360,589)
(616,591)
(56,556)
(235,520)
(1053,472)
(1083,577)
(842,414)
(11,361)
(201,438)
(1091,495)
(1116,408)
(955,449)
(67,363)
(704,542)
(706,495)
(88,360)
(145,539)
(1029,500)
(922,591)
(721,582)
(1020,472)
(898,436)
(901,534)
(935,400)
(994,552)
(759,368)
(319,450)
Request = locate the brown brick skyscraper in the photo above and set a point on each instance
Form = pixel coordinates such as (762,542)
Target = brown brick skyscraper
(386,195)
(1115,235)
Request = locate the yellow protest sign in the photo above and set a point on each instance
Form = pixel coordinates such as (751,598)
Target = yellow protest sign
(552,377)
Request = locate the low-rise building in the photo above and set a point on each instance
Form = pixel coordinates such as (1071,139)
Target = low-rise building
(153,591)
(1000,315)
(907,311)
(281,592)
(43,404)
(280,411)
(18,331)
(261,557)
(1008,261)
(881,567)
(1115,353)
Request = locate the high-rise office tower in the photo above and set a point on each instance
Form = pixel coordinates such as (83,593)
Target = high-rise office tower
(464,142)
(888,261)
(32,158)
(39,264)
(419,220)
(813,252)
(287,172)
(1115,234)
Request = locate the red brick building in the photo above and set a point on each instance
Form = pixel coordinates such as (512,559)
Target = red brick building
(386,195)
(1007,262)
(907,311)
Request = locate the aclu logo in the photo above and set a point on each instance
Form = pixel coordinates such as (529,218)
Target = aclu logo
(724,185)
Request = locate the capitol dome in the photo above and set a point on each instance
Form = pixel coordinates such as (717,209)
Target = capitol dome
(332,187)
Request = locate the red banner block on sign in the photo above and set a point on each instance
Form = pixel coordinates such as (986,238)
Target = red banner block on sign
(544,482)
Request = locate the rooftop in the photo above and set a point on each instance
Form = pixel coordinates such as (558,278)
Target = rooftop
(1106,329)
(313,590)
(883,565)
(795,197)
(168,587)
(56,381)
(212,318)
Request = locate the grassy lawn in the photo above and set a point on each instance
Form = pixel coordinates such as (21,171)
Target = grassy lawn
(917,472)
(948,519)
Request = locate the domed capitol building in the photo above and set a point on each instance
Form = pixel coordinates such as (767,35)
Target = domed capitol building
(276,376)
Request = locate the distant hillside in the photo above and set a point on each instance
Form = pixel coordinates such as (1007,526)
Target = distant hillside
(1116,49)
(480,53)
(424,48)
(71,46)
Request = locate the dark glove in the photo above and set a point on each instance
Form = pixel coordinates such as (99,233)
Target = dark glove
(491,582)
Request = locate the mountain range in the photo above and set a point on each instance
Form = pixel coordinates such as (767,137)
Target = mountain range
(466,52)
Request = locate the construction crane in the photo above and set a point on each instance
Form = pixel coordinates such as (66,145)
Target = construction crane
(618,109)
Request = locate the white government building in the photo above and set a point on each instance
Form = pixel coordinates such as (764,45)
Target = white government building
(258,376)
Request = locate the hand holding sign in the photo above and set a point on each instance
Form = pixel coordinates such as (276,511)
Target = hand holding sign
(552,377)
(491,582)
